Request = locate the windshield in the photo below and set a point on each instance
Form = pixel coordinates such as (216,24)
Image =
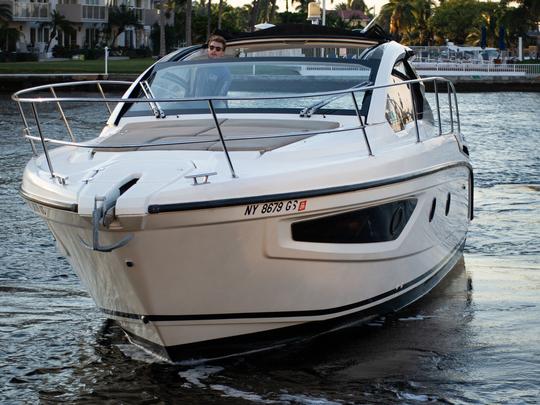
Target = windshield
(251,77)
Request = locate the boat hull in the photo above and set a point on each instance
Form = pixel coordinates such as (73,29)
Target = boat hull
(277,337)
(194,280)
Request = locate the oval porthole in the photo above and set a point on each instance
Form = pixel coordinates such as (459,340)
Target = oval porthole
(432,211)
(397,220)
(447,209)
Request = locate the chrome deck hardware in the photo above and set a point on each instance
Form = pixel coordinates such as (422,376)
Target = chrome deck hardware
(196,176)
(154,105)
(98,218)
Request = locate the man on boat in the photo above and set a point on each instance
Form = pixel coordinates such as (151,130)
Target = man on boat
(216,47)
(213,80)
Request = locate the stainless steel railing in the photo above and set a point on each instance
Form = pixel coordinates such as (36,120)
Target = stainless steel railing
(27,97)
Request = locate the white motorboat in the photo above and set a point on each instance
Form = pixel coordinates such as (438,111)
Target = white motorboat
(210,222)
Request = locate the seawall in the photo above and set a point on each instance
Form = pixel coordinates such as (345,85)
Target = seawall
(10,83)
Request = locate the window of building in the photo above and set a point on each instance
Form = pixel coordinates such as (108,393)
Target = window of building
(65,39)
(42,34)
(91,37)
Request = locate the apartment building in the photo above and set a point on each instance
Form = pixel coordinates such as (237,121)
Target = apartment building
(88,17)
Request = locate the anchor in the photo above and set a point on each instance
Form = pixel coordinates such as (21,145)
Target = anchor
(102,215)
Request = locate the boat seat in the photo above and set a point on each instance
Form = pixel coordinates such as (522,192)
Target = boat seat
(204,135)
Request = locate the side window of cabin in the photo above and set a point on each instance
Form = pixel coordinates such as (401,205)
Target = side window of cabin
(399,103)
(422,104)
(399,108)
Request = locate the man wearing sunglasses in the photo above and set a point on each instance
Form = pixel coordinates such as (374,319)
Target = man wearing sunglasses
(216,47)
(212,79)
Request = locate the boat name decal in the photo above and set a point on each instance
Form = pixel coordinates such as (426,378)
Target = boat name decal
(276,207)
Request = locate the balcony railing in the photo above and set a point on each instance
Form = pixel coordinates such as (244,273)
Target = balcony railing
(94,13)
(83,12)
(31,11)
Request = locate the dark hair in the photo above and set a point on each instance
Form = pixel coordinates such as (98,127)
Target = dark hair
(217,38)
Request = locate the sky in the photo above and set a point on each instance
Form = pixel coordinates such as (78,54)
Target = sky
(281,3)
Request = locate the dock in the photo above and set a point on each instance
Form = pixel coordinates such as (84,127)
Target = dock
(479,77)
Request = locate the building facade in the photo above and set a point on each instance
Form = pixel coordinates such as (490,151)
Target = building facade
(89,18)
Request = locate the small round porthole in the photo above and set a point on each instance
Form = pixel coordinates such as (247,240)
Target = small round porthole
(448,200)
(432,211)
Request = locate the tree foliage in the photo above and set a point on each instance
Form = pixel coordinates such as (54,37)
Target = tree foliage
(413,22)
(5,13)
(121,17)
(454,19)
(58,23)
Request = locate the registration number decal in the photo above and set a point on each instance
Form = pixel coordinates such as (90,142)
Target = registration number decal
(276,207)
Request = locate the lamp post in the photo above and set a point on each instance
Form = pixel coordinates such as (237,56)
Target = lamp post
(106,61)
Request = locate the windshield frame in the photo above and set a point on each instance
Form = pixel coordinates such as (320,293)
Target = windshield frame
(371,63)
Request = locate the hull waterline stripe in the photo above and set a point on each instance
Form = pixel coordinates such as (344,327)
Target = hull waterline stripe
(159,208)
(288,314)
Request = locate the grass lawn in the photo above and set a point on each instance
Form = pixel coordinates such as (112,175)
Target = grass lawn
(77,66)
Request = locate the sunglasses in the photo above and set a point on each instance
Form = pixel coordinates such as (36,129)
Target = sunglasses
(217,48)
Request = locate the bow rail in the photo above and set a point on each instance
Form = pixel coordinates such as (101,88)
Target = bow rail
(28,96)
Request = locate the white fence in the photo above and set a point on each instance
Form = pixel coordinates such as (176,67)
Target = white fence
(474,69)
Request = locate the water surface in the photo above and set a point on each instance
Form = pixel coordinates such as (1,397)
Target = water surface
(474,339)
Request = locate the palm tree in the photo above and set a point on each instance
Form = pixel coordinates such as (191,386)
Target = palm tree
(5,17)
(162,16)
(401,17)
(220,14)
(209,18)
(189,12)
(5,13)
(254,14)
(422,11)
(122,17)
(58,23)
(271,13)
(357,5)
(353,5)
(166,7)
(302,5)
(474,37)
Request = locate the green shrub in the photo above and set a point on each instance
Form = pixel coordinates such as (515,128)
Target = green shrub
(139,53)
(18,57)
(92,53)
(65,51)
